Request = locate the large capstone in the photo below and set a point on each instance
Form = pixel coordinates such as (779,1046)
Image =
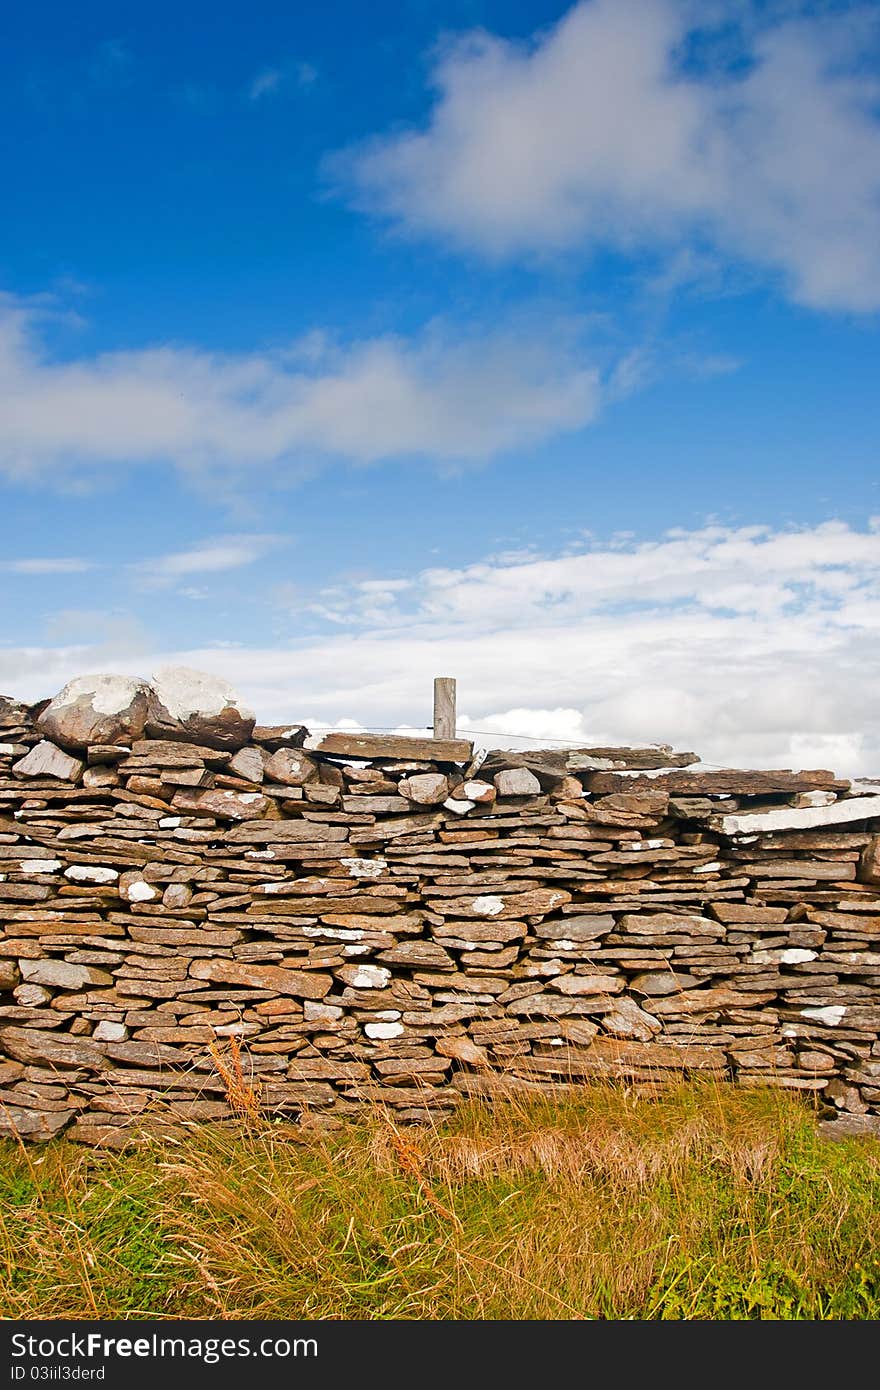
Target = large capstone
(194,707)
(96,709)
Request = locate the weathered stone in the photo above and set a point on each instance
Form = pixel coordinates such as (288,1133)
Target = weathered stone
(102,709)
(660,982)
(291,767)
(696,1001)
(225,805)
(197,708)
(757,822)
(168,755)
(60,974)
(735,913)
(462,1049)
(91,873)
(17,1122)
(479,793)
(578,928)
(869,861)
(36,1047)
(425,788)
(366,746)
(516,781)
(47,760)
(627,1020)
(667,924)
(725,782)
(582,985)
(285,832)
(536,902)
(365,976)
(418,955)
(247,763)
(31,996)
(274,736)
(301,984)
(9,974)
(105,1031)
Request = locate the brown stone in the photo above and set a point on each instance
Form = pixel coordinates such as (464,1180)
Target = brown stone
(425,788)
(727,782)
(225,805)
(31,1045)
(285,832)
(367,746)
(101,709)
(47,760)
(301,984)
(291,767)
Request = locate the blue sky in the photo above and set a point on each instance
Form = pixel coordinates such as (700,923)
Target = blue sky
(533,343)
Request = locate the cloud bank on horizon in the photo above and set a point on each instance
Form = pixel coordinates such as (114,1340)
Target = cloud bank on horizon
(752,646)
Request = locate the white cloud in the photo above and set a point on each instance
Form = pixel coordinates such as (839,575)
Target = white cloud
(597,134)
(270,81)
(46,565)
(264,84)
(428,397)
(208,557)
(755,647)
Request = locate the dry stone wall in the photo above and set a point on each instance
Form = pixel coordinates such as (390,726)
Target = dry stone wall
(370,918)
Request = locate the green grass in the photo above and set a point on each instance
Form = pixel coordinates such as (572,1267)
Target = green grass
(708,1202)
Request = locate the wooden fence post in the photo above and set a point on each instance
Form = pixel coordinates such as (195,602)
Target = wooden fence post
(444,707)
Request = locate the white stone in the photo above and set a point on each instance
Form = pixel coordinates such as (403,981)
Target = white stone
(816,798)
(184,692)
(107,694)
(321,1013)
(257,853)
(459,808)
(169,822)
(335,933)
(478,791)
(366,976)
(355,950)
(90,873)
(138,892)
(383,1031)
(790,818)
(39,866)
(790,955)
(489,905)
(105,1031)
(831,1014)
(710,868)
(365,868)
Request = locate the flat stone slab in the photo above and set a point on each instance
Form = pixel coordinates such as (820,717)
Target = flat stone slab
(798,818)
(366,746)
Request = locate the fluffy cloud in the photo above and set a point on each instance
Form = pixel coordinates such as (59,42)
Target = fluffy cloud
(755,647)
(610,130)
(379,399)
(46,564)
(208,557)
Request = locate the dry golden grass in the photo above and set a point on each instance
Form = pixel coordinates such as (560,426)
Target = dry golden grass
(706,1202)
